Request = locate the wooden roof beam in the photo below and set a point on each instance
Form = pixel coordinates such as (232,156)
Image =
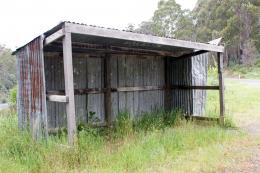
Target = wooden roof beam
(130,36)
(55,36)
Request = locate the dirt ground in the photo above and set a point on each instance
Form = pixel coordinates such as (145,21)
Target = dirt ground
(250,147)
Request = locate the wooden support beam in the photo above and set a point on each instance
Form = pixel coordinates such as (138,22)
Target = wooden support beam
(107,82)
(141,38)
(104,49)
(55,36)
(199,52)
(143,88)
(191,54)
(130,89)
(200,118)
(58,98)
(195,87)
(69,88)
(221,88)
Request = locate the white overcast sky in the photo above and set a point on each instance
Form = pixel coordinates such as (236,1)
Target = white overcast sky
(23,20)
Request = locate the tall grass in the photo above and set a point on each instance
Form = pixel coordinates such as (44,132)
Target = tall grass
(131,146)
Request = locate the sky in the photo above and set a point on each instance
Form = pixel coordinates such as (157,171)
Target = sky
(23,20)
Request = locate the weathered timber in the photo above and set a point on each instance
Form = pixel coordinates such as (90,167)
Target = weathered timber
(58,98)
(130,89)
(104,49)
(195,87)
(69,87)
(55,36)
(200,118)
(130,36)
(221,88)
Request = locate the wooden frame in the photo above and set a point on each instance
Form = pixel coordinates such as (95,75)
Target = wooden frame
(130,36)
(58,98)
(68,95)
(221,88)
(131,89)
(55,36)
(69,87)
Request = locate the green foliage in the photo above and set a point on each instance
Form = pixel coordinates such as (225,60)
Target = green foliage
(13,97)
(169,20)
(7,73)
(123,124)
(158,119)
(236,21)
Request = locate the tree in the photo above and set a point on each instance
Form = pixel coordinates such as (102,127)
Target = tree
(169,20)
(237,21)
(7,72)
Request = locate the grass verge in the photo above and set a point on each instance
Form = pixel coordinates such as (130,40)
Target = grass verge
(132,146)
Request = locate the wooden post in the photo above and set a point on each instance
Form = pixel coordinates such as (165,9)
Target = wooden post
(107,82)
(221,88)
(69,87)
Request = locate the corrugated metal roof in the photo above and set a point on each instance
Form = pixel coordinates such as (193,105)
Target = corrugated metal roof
(61,24)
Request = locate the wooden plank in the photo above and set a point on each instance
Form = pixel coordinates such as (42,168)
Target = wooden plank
(216,41)
(130,89)
(143,88)
(130,36)
(195,87)
(55,36)
(107,82)
(201,118)
(69,87)
(221,88)
(58,98)
(192,54)
(199,52)
(103,49)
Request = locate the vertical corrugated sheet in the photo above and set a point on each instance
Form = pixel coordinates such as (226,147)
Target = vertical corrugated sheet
(199,78)
(88,73)
(127,71)
(180,73)
(31,88)
(130,71)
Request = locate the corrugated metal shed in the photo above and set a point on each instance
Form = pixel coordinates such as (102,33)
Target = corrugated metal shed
(111,71)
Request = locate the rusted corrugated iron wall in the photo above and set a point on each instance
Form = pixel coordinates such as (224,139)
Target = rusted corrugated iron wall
(31,88)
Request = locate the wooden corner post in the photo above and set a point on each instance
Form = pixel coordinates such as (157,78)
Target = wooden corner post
(221,88)
(69,87)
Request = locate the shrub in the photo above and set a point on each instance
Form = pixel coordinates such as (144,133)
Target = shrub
(123,124)
(12,96)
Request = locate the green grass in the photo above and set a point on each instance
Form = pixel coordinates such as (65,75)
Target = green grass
(158,142)
(132,146)
(239,100)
